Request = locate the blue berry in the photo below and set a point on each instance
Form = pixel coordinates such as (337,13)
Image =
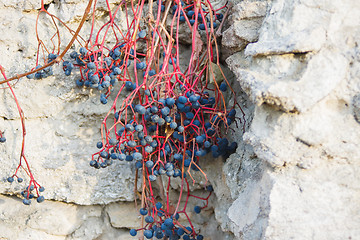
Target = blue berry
(149,219)
(73,54)
(91,65)
(180,129)
(154,143)
(173,60)
(112,141)
(165,111)
(170,102)
(210,131)
(138,164)
(200,237)
(149,164)
(207,144)
(187,162)
(67,72)
(30,76)
(10,179)
(143,211)
(192,21)
(133,232)
(182,99)
(129,127)
(142,34)
(202,26)
(129,158)
(173,125)
(20,180)
(103,100)
(131,144)
(189,115)
(158,205)
(122,157)
(40,199)
(154,109)
(177,173)
(200,139)
(186,122)
(180,231)
(176,216)
(108,61)
(41,189)
(232,113)
(170,173)
(152,178)
(26,201)
(168,222)
(148,234)
(223,87)
(193,98)
(104,154)
(178,156)
(149,149)
(139,128)
(152,72)
(155,118)
(190,13)
(99,145)
(148,139)
(130,86)
(186,237)
(83,51)
(168,119)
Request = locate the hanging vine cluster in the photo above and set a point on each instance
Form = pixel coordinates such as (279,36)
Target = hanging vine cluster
(167,112)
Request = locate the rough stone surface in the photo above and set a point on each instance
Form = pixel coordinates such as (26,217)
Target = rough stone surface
(244,23)
(296,171)
(302,74)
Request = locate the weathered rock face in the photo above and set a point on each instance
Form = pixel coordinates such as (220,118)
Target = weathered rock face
(302,76)
(295,174)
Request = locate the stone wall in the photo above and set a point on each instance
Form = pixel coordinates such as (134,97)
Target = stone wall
(295,174)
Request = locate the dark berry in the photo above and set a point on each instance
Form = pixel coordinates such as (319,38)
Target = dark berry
(40,199)
(197,209)
(26,201)
(133,232)
(143,211)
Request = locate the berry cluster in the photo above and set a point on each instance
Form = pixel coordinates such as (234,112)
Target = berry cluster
(186,13)
(28,192)
(46,72)
(166,114)
(165,118)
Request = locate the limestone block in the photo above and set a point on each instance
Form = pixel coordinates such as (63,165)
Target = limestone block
(245,21)
(290,27)
(316,202)
(52,220)
(123,215)
(248,213)
(287,81)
